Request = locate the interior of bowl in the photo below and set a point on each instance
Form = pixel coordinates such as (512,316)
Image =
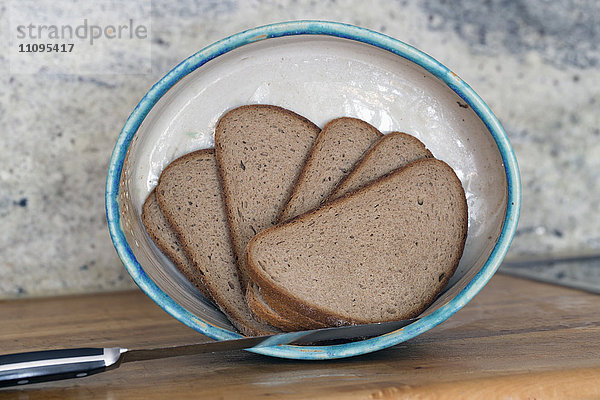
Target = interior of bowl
(320,76)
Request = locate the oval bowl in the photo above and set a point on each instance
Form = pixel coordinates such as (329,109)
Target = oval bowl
(320,70)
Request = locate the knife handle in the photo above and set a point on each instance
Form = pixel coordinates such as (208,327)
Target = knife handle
(51,365)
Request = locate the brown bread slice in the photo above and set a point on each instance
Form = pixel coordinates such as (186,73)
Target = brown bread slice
(341,143)
(393,151)
(189,195)
(379,254)
(165,239)
(389,153)
(265,314)
(260,151)
(288,312)
(279,315)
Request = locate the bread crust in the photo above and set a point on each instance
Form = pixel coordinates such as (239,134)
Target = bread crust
(238,248)
(370,155)
(251,327)
(185,269)
(310,160)
(289,299)
(289,313)
(286,212)
(265,314)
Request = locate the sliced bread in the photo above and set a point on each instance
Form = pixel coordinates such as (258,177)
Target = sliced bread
(390,152)
(341,143)
(165,239)
(393,151)
(189,195)
(265,314)
(260,151)
(381,253)
(279,315)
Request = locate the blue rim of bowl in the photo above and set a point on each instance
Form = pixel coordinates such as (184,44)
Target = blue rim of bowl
(342,31)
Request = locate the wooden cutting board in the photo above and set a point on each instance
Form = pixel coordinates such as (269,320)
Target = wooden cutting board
(517,339)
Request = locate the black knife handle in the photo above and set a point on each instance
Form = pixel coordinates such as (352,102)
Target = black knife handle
(50,365)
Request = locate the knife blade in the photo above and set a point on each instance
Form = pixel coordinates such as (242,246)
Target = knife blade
(577,270)
(48,365)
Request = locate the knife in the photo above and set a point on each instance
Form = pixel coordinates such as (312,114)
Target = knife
(578,270)
(49,365)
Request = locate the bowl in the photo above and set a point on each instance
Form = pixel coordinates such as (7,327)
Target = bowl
(320,70)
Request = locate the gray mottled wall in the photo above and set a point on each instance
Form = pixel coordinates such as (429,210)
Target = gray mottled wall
(536,63)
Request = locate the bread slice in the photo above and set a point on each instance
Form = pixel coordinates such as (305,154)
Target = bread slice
(189,195)
(379,254)
(341,143)
(260,151)
(165,239)
(265,314)
(288,312)
(282,317)
(393,151)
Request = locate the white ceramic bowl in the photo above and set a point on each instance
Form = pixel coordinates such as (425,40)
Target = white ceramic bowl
(321,70)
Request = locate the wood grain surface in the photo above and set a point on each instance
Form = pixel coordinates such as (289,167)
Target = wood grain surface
(517,339)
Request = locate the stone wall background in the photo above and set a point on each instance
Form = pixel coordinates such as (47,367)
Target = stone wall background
(536,63)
